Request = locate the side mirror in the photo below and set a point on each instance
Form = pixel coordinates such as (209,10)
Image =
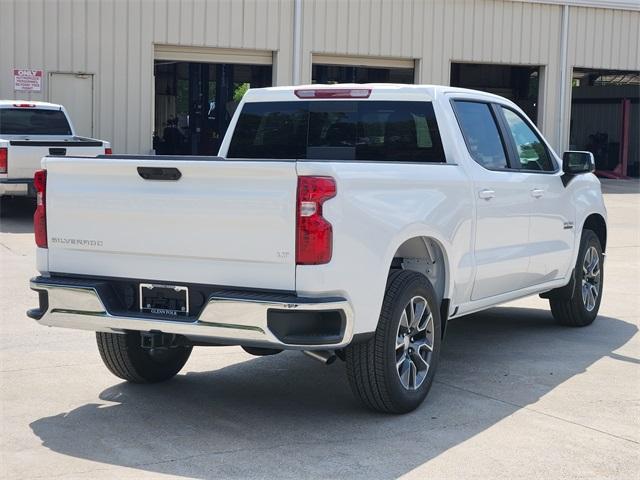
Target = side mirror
(575,163)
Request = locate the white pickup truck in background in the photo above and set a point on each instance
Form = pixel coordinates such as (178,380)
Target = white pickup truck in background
(348,221)
(30,131)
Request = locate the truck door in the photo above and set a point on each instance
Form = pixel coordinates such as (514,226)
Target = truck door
(503,203)
(551,229)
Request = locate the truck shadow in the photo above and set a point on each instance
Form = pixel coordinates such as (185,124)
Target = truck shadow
(287,416)
(16,215)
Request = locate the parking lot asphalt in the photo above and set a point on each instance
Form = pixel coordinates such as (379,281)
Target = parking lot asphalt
(516,396)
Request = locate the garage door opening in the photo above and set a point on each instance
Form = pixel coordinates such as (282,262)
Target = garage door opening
(330,69)
(194,103)
(605,119)
(520,84)
(356,74)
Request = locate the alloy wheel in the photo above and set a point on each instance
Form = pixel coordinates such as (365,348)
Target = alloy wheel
(590,278)
(414,343)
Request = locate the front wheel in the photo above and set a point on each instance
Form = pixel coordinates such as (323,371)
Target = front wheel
(394,370)
(580,307)
(125,357)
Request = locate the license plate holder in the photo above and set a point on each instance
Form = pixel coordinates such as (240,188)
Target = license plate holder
(165,300)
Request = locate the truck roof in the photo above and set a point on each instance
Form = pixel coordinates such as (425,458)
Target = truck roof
(30,103)
(379,91)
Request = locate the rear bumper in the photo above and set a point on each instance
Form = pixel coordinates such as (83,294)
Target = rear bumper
(228,317)
(21,187)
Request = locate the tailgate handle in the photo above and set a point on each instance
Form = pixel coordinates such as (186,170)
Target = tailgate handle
(159,173)
(57,151)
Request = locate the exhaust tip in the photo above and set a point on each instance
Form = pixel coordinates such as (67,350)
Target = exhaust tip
(323,356)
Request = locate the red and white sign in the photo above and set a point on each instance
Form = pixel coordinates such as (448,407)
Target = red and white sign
(25,80)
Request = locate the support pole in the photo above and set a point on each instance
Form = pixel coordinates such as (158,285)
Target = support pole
(564,45)
(297,42)
(624,141)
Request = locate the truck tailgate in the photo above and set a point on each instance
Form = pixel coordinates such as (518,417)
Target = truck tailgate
(222,222)
(25,155)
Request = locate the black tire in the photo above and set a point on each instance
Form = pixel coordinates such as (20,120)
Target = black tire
(570,309)
(124,356)
(371,366)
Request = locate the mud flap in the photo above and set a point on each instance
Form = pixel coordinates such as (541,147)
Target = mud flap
(562,293)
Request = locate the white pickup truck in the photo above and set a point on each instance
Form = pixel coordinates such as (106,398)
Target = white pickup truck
(348,221)
(30,131)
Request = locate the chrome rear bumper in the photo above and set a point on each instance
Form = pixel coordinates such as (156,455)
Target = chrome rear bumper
(231,318)
(17,188)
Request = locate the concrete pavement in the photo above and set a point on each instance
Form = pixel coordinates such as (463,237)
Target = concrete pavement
(516,396)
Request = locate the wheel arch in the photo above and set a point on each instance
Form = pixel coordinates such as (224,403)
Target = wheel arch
(427,255)
(597,224)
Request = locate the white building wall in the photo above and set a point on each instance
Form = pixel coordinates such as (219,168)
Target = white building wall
(439,32)
(114,40)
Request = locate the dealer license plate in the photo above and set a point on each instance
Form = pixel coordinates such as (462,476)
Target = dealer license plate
(168,300)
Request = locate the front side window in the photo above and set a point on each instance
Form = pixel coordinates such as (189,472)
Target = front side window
(481,134)
(33,121)
(339,130)
(532,153)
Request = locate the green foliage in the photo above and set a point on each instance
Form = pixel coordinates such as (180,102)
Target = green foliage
(239,91)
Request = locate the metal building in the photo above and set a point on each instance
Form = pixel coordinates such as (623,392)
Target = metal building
(166,75)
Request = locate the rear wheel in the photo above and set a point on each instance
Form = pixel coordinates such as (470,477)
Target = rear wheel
(580,307)
(394,370)
(125,357)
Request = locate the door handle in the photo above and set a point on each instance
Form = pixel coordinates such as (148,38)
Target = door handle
(486,194)
(537,193)
(159,173)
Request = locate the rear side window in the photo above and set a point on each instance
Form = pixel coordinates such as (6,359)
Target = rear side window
(481,134)
(29,121)
(338,130)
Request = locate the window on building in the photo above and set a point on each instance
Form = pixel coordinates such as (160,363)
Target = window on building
(519,84)
(481,134)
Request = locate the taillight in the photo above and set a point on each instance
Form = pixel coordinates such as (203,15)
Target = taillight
(108,151)
(4,160)
(40,217)
(314,234)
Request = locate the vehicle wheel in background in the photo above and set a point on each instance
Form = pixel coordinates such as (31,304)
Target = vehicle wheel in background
(580,308)
(394,370)
(125,357)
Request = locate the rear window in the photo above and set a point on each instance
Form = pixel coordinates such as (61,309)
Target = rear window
(30,121)
(338,130)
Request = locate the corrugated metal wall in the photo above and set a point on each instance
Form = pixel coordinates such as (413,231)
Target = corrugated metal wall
(439,32)
(602,38)
(113,39)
